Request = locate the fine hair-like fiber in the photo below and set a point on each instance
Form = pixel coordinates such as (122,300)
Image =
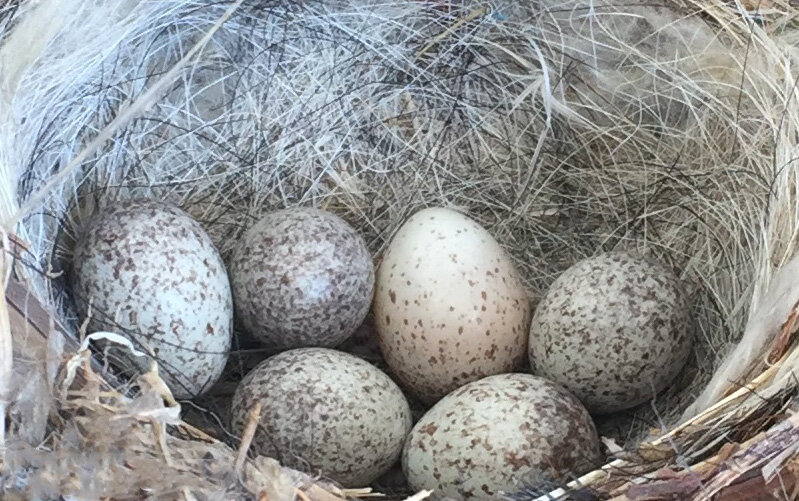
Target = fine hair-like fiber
(565,127)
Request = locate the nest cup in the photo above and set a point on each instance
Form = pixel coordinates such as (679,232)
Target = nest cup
(567,128)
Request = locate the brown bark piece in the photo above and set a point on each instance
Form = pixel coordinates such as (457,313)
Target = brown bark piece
(678,488)
(787,330)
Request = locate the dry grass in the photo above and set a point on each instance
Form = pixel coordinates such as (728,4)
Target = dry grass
(567,127)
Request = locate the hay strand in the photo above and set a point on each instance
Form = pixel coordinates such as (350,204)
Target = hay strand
(6,347)
(776,317)
(128,112)
(566,127)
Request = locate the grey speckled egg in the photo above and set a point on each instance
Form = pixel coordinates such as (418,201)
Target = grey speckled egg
(325,411)
(150,271)
(301,278)
(500,433)
(614,329)
(449,306)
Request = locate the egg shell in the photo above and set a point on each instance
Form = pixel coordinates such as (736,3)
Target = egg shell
(614,329)
(151,272)
(500,433)
(449,306)
(325,411)
(301,278)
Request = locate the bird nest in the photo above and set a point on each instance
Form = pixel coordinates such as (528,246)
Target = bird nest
(565,127)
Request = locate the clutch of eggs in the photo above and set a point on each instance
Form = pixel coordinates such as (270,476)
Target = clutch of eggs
(149,271)
(300,278)
(449,305)
(325,411)
(614,329)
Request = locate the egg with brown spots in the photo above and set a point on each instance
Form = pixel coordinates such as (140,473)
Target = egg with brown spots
(325,412)
(614,329)
(149,271)
(500,434)
(449,305)
(301,278)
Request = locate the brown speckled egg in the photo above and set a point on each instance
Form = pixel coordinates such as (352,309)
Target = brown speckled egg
(500,434)
(449,306)
(325,411)
(614,329)
(301,278)
(151,272)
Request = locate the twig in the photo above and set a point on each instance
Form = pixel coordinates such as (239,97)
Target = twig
(159,429)
(160,437)
(246,438)
(196,433)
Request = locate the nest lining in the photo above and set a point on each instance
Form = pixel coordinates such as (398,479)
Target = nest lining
(565,127)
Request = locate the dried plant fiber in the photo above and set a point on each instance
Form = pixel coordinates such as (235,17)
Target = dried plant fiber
(566,127)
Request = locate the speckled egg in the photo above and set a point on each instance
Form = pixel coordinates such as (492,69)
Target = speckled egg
(301,278)
(150,271)
(500,434)
(325,411)
(614,329)
(449,306)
